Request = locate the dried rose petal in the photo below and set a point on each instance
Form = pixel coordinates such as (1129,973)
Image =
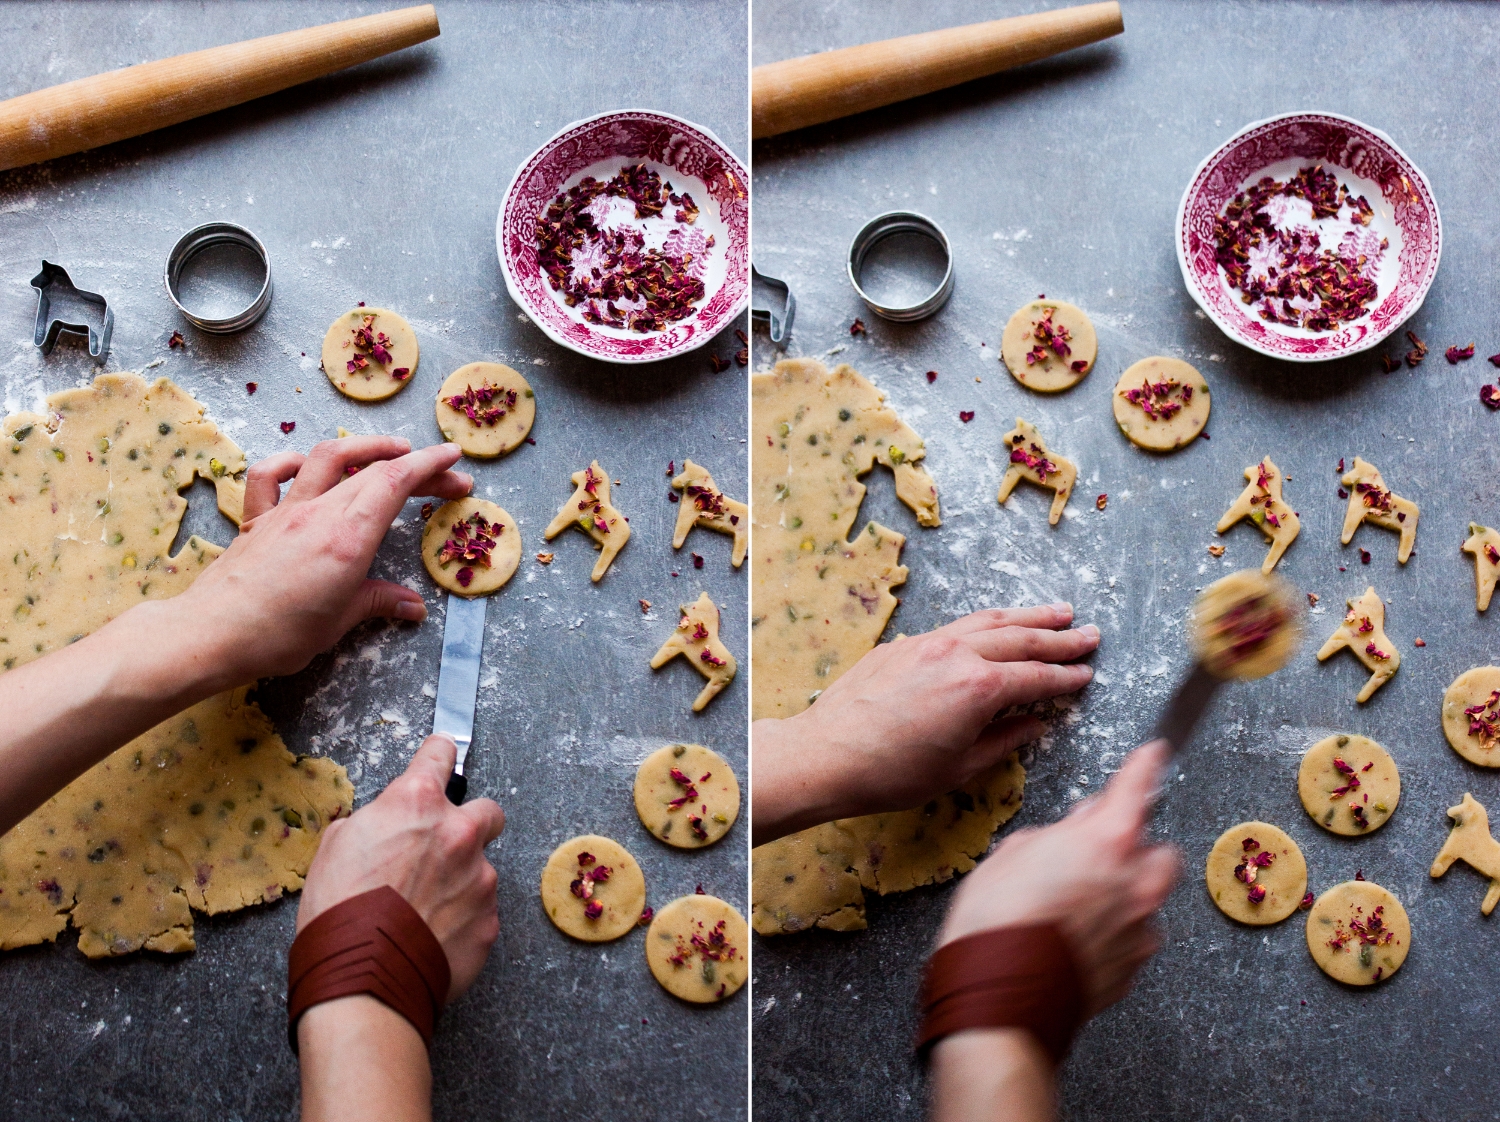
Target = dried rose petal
(966,415)
(858,328)
(1101,502)
(1307,901)
(719,365)
(288,426)
(1455,355)
(1256,894)
(175,340)
(1490,395)
(593,909)
(644,921)
(251,387)
(932,374)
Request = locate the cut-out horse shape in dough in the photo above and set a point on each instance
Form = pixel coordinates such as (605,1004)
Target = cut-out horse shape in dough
(697,639)
(703,504)
(1030,459)
(1363,632)
(1470,842)
(1371,501)
(1261,502)
(1484,544)
(589,509)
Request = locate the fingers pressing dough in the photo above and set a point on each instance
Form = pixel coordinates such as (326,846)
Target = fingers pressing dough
(1484,544)
(696,948)
(1470,841)
(1256,874)
(590,510)
(1161,404)
(697,639)
(1358,933)
(1348,784)
(1363,632)
(1262,503)
(703,504)
(370,354)
(1371,501)
(1031,460)
(686,795)
(592,889)
(1049,346)
(486,409)
(470,546)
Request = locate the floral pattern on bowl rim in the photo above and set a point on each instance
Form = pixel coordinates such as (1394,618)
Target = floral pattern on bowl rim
(1369,163)
(673,147)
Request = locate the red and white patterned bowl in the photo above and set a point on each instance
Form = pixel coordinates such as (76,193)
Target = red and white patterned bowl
(1365,160)
(692,158)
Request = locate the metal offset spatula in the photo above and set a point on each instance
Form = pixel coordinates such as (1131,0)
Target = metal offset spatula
(458,682)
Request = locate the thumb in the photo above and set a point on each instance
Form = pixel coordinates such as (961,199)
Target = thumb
(386,599)
(1002,738)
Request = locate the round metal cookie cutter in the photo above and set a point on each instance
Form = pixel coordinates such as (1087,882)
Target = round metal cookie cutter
(210,236)
(903,224)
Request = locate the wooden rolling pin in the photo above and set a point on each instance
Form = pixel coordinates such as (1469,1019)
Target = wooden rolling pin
(816,88)
(76,116)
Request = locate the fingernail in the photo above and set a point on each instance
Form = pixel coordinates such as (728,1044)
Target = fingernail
(413,611)
(1090,630)
(1061,606)
(467,478)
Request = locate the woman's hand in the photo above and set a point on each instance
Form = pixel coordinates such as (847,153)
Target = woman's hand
(1093,874)
(295,580)
(432,852)
(916,717)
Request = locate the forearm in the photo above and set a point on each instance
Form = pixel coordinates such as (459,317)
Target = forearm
(361,1060)
(991,1075)
(68,710)
(796,783)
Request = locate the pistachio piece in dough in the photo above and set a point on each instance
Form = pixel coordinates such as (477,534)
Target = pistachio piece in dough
(370,354)
(1161,404)
(1371,501)
(1049,346)
(686,795)
(703,504)
(590,510)
(805,880)
(1256,874)
(1031,460)
(471,547)
(696,948)
(485,408)
(697,639)
(1348,784)
(1470,841)
(1261,502)
(1484,544)
(592,889)
(1358,933)
(1363,632)
(1246,625)
(1471,715)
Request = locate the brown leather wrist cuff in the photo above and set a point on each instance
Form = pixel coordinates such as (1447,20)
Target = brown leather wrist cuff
(1010,977)
(373,943)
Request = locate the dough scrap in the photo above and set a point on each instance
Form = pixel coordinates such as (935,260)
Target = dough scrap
(806,880)
(703,504)
(593,910)
(1371,501)
(814,877)
(1471,715)
(821,599)
(383,366)
(1363,632)
(1358,933)
(1256,874)
(704,789)
(453,545)
(1484,544)
(696,638)
(1161,404)
(1049,345)
(1344,772)
(1262,503)
(1246,625)
(590,510)
(1030,459)
(494,411)
(91,491)
(1470,841)
(696,948)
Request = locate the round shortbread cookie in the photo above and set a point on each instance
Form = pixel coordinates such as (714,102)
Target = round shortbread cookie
(462,570)
(699,782)
(1474,735)
(1246,625)
(486,409)
(583,904)
(1348,784)
(696,948)
(1161,404)
(1049,346)
(1256,874)
(380,366)
(1358,933)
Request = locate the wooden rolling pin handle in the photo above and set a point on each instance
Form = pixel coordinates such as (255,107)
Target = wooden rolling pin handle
(823,87)
(76,116)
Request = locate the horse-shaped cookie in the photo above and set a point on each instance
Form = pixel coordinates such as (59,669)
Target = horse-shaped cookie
(1262,503)
(1363,632)
(589,509)
(1470,842)
(703,504)
(1371,501)
(697,640)
(1030,459)
(1484,544)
